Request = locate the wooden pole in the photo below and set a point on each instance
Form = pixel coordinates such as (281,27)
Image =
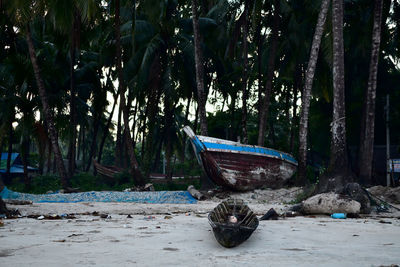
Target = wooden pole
(387,142)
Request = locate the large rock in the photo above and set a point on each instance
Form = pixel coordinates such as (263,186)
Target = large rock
(328,203)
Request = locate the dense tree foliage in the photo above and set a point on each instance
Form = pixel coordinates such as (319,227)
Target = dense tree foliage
(115,81)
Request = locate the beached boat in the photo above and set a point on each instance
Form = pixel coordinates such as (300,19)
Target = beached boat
(108,171)
(241,167)
(232,222)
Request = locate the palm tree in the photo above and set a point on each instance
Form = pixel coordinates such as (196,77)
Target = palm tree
(338,173)
(47,112)
(137,176)
(245,73)
(265,102)
(368,123)
(201,95)
(305,101)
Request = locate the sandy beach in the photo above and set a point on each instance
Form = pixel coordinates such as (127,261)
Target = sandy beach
(180,235)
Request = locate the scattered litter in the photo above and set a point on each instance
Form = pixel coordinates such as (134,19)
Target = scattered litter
(18,202)
(386,222)
(1,223)
(168,217)
(232,219)
(187,214)
(270,215)
(195,193)
(339,215)
(75,235)
(40,217)
(105,216)
(61,240)
(148,218)
(171,249)
(291,214)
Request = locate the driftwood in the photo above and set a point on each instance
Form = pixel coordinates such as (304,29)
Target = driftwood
(195,193)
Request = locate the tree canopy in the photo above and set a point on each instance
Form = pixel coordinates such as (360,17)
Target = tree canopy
(116,81)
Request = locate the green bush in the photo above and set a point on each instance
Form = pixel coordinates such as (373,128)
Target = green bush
(39,184)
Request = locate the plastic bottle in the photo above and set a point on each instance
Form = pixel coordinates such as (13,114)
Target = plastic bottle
(339,215)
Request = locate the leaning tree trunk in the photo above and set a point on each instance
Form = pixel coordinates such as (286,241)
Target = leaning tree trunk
(201,94)
(136,175)
(118,142)
(367,131)
(305,101)
(47,113)
(338,171)
(245,75)
(270,75)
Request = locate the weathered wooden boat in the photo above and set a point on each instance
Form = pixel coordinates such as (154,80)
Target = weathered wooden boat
(108,171)
(232,222)
(241,167)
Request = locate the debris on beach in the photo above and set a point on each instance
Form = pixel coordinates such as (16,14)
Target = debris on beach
(146,188)
(232,222)
(270,215)
(6,213)
(17,202)
(388,194)
(195,193)
(339,216)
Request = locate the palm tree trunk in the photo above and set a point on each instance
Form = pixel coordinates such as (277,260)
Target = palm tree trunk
(296,86)
(245,74)
(94,141)
(118,143)
(338,127)
(25,154)
(47,113)
(306,95)
(367,131)
(201,95)
(338,171)
(136,175)
(270,75)
(72,142)
(106,131)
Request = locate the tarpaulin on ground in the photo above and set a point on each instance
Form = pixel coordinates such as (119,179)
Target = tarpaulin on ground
(161,197)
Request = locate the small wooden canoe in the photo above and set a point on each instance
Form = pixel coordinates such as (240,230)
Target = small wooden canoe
(241,167)
(232,222)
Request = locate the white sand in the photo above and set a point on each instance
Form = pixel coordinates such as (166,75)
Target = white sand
(186,239)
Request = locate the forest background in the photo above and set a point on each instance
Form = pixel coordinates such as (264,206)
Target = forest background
(117,80)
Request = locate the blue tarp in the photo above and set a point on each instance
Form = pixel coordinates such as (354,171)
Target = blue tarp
(16,164)
(157,197)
